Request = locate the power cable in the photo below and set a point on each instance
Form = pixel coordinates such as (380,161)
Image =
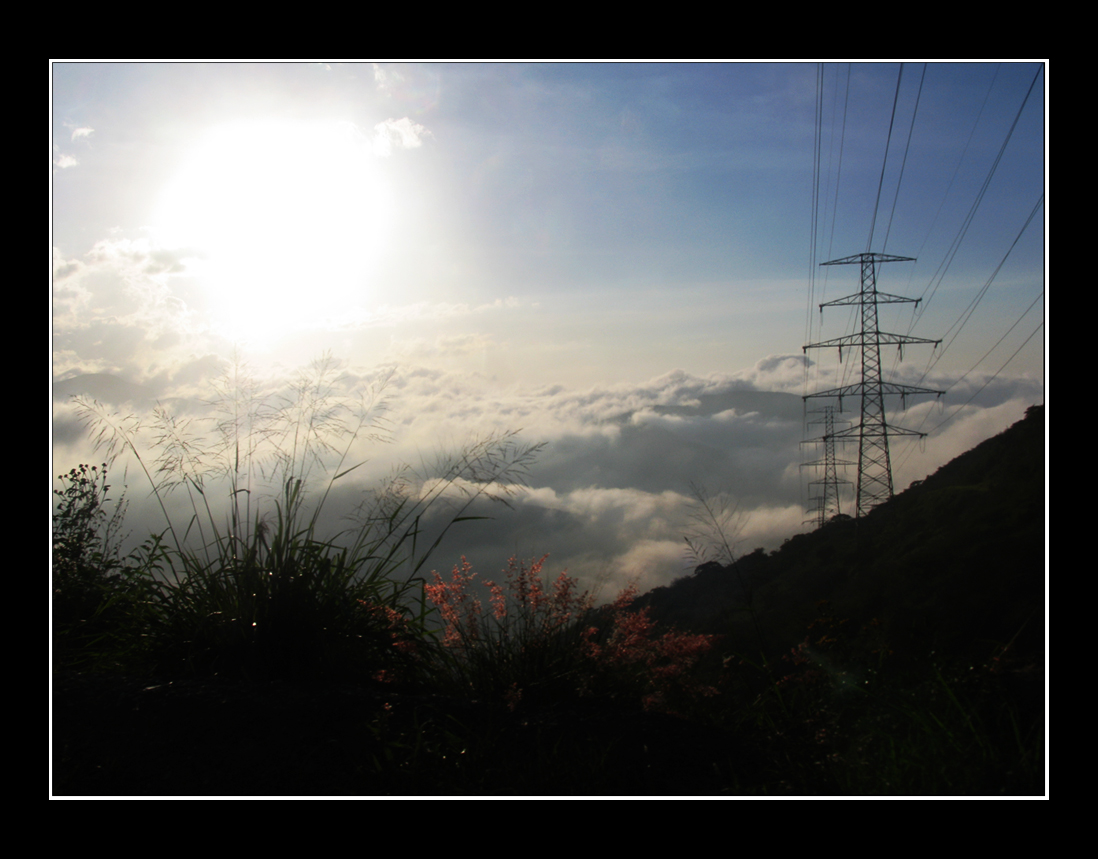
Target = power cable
(966,315)
(884,161)
(1013,355)
(903,163)
(957,411)
(956,170)
(955,246)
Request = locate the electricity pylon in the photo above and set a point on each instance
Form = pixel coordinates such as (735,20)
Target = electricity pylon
(828,504)
(874,463)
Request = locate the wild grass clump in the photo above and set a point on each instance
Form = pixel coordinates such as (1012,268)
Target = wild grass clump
(248,585)
(528,643)
(541,643)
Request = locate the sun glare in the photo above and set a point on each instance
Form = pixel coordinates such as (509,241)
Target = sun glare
(285,222)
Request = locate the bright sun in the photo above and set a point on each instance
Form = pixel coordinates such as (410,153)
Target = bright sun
(287,219)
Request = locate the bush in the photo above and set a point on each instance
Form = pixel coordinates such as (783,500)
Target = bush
(98,597)
(83,550)
(630,660)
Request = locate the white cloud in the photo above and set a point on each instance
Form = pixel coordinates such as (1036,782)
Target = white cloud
(398,134)
(63,160)
(778,373)
(115,311)
(648,564)
(609,496)
(386,79)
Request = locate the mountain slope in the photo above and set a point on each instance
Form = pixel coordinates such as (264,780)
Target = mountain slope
(955,563)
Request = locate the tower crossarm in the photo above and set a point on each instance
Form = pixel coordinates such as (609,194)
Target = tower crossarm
(859,298)
(875,338)
(826,439)
(859,388)
(823,463)
(856,432)
(829,481)
(868,258)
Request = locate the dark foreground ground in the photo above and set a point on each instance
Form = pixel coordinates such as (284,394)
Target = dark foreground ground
(121,736)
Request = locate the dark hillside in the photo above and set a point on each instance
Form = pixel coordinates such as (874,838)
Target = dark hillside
(902,653)
(956,563)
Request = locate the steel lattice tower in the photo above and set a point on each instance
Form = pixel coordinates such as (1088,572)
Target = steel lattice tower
(827,505)
(874,463)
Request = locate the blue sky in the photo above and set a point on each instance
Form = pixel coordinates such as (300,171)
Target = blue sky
(604,256)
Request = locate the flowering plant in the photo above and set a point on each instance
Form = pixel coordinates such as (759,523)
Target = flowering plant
(534,641)
(528,642)
(630,658)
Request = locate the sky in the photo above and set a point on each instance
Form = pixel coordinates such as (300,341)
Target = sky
(617,262)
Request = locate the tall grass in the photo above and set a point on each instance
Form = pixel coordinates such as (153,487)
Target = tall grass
(248,583)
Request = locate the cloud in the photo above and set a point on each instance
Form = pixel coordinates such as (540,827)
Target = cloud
(62,268)
(63,160)
(610,494)
(778,373)
(167,261)
(386,79)
(398,134)
(115,310)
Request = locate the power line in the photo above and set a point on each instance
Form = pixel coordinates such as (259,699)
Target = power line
(963,319)
(993,377)
(903,162)
(884,162)
(956,244)
(960,161)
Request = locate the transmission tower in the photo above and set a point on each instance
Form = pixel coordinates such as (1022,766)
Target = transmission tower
(874,463)
(828,504)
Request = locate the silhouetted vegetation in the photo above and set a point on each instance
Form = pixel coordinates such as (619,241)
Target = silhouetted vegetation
(907,647)
(899,654)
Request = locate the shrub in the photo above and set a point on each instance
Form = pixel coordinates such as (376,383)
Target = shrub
(84,548)
(98,598)
(632,660)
